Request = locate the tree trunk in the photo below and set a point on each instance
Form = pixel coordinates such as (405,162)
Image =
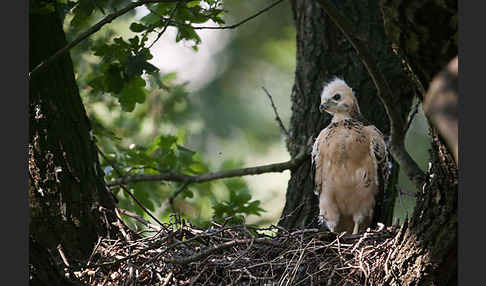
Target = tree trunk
(425,31)
(69,202)
(426,250)
(322,53)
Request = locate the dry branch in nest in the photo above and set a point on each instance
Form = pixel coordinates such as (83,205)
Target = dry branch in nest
(239,255)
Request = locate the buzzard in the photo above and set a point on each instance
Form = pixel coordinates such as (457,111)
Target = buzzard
(350,162)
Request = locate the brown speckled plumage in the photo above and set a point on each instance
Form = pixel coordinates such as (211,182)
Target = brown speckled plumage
(350,160)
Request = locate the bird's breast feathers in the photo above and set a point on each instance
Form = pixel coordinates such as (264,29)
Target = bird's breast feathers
(342,156)
(344,143)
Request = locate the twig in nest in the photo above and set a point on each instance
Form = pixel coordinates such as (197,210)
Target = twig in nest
(167,279)
(329,280)
(277,117)
(207,252)
(139,218)
(94,250)
(63,256)
(226,255)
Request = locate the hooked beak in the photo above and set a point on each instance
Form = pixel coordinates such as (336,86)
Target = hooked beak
(323,106)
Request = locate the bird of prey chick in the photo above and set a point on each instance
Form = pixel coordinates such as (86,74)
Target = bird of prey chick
(350,160)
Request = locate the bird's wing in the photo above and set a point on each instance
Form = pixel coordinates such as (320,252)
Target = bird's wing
(316,164)
(383,169)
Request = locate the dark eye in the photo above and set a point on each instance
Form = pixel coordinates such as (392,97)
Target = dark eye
(337,96)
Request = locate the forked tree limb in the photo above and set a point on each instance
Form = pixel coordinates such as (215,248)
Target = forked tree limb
(397,123)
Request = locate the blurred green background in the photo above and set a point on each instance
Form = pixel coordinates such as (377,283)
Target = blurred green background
(214,105)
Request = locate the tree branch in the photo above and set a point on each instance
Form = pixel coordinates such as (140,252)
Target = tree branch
(172,13)
(236,25)
(95,28)
(242,21)
(108,19)
(187,179)
(127,191)
(397,123)
(277,117)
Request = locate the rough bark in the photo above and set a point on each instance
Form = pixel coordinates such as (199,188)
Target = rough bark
(426,253)
(425,31)
(69,202)
(322,53)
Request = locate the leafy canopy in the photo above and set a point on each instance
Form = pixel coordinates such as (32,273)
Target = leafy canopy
(113,72)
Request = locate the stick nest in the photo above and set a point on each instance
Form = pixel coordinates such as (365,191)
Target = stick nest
(181,254)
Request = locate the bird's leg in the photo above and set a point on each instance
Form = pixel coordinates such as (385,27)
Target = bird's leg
(358,219)
(331,225)
(356,228)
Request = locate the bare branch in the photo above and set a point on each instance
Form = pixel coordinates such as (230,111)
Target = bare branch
(277,117)
(397,123)
(95,28)
(177,177)
(242,21)
(236,25)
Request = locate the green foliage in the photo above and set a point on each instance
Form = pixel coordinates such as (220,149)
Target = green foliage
(124,63)
(121,70)
(82,13)
(164,155)
(238,204)
(185,15)
(143,118)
